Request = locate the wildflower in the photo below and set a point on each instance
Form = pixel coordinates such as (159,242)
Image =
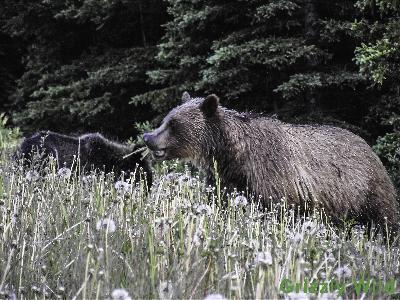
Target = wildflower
(215,297)
(297,296)
(106,224)
(198,237)
(165,290)
(184,203)
(185,179)
(298,237)
(204,209)
(64,173)
(263,258)
(162,221)
(210,189)
(120,294)
(122,186)
(32,176)
(309,227)
(344,272)
(329,296)
(330,258)
(240,201)
(87,179)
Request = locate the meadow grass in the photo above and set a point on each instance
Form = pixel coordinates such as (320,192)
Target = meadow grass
(65,235)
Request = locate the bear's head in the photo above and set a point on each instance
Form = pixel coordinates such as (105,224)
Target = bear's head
(185,131)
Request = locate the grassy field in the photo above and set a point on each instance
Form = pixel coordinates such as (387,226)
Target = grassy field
(89,237)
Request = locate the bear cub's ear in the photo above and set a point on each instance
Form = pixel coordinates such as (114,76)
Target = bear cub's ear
(209,105)
(185,97)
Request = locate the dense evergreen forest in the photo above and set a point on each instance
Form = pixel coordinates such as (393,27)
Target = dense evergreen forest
(117,66)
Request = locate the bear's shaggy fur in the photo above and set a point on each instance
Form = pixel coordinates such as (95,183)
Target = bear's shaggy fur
(94,151)
(314,166)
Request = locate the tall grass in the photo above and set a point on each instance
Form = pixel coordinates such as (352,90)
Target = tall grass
(65,235)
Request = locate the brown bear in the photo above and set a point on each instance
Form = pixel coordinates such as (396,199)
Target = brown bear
(93,149)
(314,166)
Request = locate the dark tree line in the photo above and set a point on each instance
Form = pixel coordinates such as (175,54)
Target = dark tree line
(107,65)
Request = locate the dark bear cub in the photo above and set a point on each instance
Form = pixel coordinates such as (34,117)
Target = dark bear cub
(310,166)
(93,150)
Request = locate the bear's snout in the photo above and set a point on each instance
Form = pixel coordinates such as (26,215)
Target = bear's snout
(148,139)
(154,140)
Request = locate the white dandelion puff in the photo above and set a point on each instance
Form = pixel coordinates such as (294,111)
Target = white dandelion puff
(88,179)
(165,290)
(106,224)
(122,186)
(329,296)
(215,297)
(263,258)
(32,176)
(185,179)
(309,227)
(297,296)
(120,294)
(64,173)
(240,201)
(344,272)
(204,209)
(298,237)
(185,204)
(198,237)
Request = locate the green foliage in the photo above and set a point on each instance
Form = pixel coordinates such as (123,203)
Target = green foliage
(379,59)
(388,147)
(85,60)
(9,137)
(283,56)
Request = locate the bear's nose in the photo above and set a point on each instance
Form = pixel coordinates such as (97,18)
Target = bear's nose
(148,139)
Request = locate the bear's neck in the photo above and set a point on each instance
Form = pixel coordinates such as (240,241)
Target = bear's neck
(235,142)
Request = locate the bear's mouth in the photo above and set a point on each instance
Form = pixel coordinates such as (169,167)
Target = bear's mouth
(159,153)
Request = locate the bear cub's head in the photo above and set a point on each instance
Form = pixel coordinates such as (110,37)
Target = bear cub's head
(184,132)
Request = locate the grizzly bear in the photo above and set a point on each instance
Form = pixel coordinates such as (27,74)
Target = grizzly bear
(93,150)
(313,166)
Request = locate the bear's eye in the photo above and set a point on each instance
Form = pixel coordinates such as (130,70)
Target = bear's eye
(173,124)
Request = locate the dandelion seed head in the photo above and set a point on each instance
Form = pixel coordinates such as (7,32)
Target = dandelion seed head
(298,237)
(329,296)
(240,201)
(64,173)
(210,189)
(32,176)
(343,272)
(120,294)
(185,179)
(165,290)
(106,224)
(297,296)
(215,297)
(204,209)
(263,258)
(11,296)
(87,179)
(309,227)
(122,186)
(198,237)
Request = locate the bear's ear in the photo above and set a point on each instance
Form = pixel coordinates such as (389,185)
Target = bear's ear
(185,97)
(209,105)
